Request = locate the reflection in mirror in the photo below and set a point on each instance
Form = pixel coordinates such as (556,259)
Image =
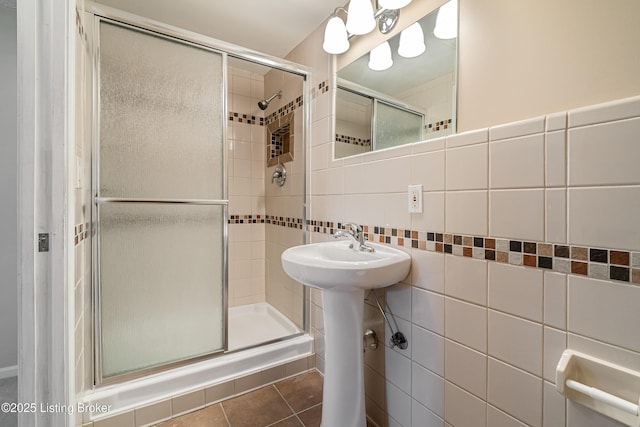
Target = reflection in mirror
(413,100)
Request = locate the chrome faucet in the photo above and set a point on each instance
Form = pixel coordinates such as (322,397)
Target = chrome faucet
(354,232)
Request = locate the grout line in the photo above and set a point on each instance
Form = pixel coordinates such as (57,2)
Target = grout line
(294,414)
(225,414)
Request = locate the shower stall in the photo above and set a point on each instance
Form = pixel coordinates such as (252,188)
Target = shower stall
(188,227)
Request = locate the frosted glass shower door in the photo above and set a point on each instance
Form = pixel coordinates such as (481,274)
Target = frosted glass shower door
(160,202)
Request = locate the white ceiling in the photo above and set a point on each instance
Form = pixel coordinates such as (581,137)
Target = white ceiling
(274,27)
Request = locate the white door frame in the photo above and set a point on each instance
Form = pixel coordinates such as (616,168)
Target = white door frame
(46,359)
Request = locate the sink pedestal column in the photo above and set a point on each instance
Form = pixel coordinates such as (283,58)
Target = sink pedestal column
(343,393)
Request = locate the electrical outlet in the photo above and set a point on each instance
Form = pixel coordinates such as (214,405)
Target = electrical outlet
(415,198)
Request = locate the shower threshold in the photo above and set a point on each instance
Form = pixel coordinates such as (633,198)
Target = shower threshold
(254,324)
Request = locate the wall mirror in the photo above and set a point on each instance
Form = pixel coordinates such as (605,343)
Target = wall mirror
(413,100)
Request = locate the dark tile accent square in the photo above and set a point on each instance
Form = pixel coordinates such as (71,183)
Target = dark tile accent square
(448,248)
(431,237)
(598,255)
(387,239)
(490,254)
(619,273)
(579,268)
(414,243)
(439,247)
(394,232)
(457,240)
(466,251)
(561,251)
(407,234)
(529,260)
(489,243)
(530,248)
(515,246)
(545,262)
(478,242)
(439,237)
(619,257)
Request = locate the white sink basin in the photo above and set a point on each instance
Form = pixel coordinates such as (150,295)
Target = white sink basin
(343,274)
(332,265)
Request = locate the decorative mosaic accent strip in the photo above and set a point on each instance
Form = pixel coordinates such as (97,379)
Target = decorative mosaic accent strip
(80,232)
(284,110)
(323,87)
(246,118)
(598,263)
(353,140)
(437,126)
(267,219)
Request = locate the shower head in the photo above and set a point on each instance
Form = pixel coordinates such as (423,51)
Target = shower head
(265,102)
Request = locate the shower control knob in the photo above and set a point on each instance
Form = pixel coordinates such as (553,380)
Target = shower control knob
(279,175)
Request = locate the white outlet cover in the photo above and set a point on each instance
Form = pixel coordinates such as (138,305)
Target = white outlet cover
(415,198)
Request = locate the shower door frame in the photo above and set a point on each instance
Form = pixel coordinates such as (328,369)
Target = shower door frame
(137,23)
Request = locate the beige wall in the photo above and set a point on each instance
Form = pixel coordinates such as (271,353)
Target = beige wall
(520,59)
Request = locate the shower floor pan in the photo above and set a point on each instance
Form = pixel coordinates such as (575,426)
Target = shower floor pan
(250,324)
(253,324)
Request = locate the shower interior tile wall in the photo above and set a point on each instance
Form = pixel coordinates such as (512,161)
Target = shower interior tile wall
(246,160)
(485,335)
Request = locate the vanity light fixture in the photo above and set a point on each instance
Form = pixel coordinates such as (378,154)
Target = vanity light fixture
(411,41)
(447,21)
(380,57)
(393,4)
(336,39)
(360,20)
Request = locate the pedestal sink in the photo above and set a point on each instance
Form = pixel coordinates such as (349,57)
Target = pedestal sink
(343,273)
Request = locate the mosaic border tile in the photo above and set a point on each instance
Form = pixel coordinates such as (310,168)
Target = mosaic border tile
(80,232)
(246,118)
(353,140)
(598,263)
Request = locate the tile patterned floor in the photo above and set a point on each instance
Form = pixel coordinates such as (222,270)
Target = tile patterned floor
(294,402)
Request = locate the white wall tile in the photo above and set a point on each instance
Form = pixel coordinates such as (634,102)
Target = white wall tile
(517,163)
(422,417)
(555,342)
(395,210)
(556,121)
(616,355)
(466,368)
(468,138)
(427,349)
(608,111)
(515,392)
(517,214)
(516,129)
(387,176)
(466,279)
(466,168)
(398,299)
(466,324)
(555,299)
(516,290)
(606,311)
(556,158)
(432,216)
(581,416)
(553,406)
(466,212)
(605,217)
(556,215)
(497,418)
(463,409)
(434,144)
(516,341)
(427,310)
(428,389)
(605,154)
(397,369)
(398,405)
(428,169)
(427,270)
